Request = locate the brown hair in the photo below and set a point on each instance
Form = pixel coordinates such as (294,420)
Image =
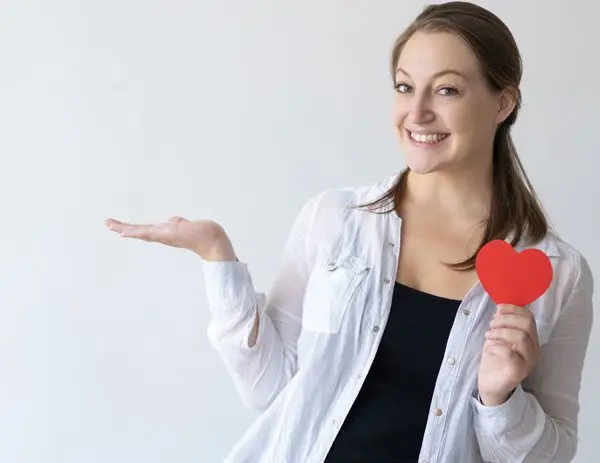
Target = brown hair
(515,209)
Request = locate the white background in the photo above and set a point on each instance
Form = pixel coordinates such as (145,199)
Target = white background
(236,111)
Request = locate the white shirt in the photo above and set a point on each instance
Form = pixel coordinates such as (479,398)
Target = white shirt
(321,322)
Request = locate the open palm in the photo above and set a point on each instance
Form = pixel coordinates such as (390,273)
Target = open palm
(201,236)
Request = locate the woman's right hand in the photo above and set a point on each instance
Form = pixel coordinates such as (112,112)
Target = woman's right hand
(204,237)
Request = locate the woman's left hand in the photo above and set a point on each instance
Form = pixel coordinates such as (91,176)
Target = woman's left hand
(510,351)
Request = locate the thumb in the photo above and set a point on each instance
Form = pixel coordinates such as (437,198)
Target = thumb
(177,219)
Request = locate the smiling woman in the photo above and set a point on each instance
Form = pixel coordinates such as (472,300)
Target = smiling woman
(377,342)
(456,71)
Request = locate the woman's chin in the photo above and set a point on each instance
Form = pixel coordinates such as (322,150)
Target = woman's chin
(425,161)
(423,164)
(420,170)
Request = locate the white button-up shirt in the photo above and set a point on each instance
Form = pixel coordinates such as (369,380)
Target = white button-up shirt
(321,322)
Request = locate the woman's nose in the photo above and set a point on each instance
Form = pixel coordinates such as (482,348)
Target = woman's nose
(420,109)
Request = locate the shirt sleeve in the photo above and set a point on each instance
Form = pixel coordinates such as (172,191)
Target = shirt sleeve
(260,371)
(539,422)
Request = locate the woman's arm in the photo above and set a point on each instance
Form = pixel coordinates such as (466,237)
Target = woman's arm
(539,422)
(256,333)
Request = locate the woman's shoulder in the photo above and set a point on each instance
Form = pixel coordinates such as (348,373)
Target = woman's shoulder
(340,197)
(572,274)
(333,211)
(573,262)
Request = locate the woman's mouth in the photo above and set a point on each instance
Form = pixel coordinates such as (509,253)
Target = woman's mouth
(431,138)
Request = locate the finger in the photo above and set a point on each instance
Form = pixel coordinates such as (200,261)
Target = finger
(518,340)
(513,309)
(117,225)
(499,349)
(513,321)
(508,335)
(147,232)
(156,233)
(516,321)
(114,224)
(142,232)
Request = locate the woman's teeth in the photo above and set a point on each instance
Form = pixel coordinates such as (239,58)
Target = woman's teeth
(428,137)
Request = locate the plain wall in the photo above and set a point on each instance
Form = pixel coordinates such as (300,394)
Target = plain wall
(236,111)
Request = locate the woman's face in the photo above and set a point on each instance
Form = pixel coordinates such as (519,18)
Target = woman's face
(444,110)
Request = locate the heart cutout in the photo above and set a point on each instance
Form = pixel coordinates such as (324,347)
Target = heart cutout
(512,277)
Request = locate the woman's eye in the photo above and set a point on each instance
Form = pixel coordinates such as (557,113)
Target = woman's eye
(448,91)
(403,88)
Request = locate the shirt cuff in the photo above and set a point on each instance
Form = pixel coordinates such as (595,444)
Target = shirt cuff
(501,418)
(228,285)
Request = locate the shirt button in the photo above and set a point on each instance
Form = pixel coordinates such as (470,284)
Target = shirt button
(451,360)
(391,244)
(386,280)
(376,329)
(333,422)
(358,376)
(438,412)
(466,311)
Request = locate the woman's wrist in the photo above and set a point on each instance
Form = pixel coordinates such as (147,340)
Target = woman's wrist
(494,400)
(222,251)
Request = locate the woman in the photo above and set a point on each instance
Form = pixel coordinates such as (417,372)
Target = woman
(376,342)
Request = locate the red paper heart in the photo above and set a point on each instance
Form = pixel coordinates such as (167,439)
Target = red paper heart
(512,277)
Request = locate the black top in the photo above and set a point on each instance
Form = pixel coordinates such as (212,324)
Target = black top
(387,421)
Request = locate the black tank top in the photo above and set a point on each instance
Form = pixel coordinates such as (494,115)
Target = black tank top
(387,421)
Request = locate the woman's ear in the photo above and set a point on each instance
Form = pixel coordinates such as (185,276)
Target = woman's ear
(506,104)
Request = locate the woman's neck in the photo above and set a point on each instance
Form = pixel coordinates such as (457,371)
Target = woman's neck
(464,195)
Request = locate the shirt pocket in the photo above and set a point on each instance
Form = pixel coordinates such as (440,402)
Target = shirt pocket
(330,290)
